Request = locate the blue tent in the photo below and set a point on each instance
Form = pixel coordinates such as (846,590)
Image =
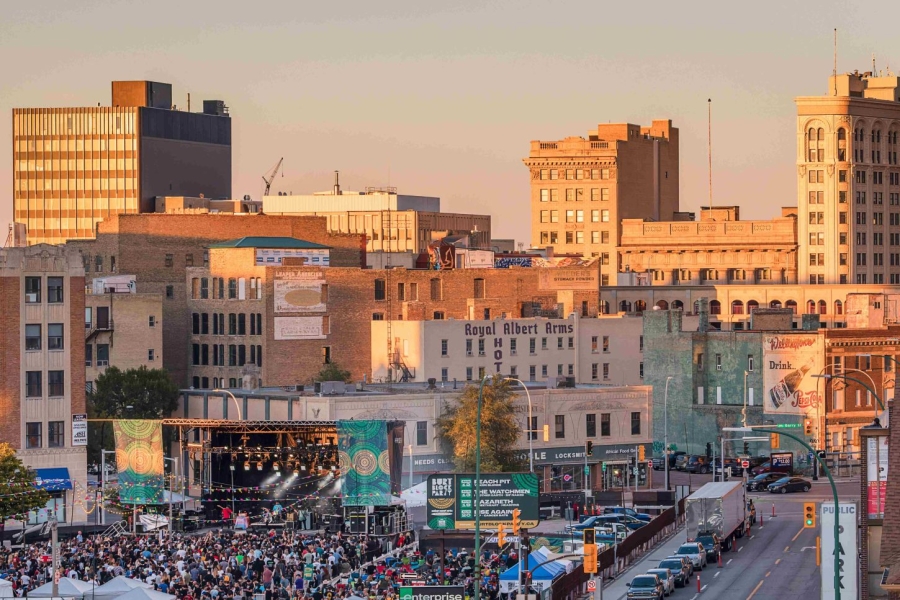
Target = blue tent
(541,578)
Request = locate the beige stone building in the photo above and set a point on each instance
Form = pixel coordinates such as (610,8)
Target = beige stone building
(848,181)
(582,188)
(717,249)
(122,328)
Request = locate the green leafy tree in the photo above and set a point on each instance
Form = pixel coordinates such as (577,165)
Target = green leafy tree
(499,429)
(333,372)
(140,393)
(17,492)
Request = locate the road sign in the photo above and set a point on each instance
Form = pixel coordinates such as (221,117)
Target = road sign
(745,464)
(603,467)
(788,426)
(592,585)
(567,477)
(587,470)
(650,463)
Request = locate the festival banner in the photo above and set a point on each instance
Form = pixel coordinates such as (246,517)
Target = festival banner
(789,363)
(139,458)
(365,462)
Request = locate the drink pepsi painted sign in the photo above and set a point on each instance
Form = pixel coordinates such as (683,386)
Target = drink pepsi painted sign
(789,363)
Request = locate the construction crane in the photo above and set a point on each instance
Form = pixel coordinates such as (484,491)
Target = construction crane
(270,176)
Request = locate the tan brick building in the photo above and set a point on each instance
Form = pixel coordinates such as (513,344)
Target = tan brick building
(582,188)
(42,363)
(157,248)
(122,328)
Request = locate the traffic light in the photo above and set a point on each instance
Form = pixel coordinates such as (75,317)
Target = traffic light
(746,447)
(515,520)
(807,427)
(641,453)
(809,515)
(546,433)
(526,579)
(589,448)
(590,536)
(774,439)
(501,536)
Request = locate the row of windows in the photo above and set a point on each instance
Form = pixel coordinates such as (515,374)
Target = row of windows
(218,382)
(237,288)
(561,371)
(575,195)
(34,339)
(410,291)
(575,216)
(236,357)
(815,147)
(34,384)
(98,263)
(576,237)
(237,323)
(574,174)
(34,437)
(33,290)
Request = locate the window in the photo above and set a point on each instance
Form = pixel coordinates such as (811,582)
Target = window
(481,347)
(635,423)
(560,421)
(232,324)
(436,291)
(102,355)
(32,338)
(88,354)
(543,370)
(33,435)
(479,288)
(232,288)
(170,291)
(594,372)
(326,355)
(204,323)
(188,260)
(55,338)
(605,343)
(438,315)
(204,288)
(242,355)
(32,290)
(151,354)
(170,260)
(606,371)
(559,343)
(56,432)
(604,216)
(718,362)
(98,264)
(590,425)
(532,372)
(468,373)
(421,433)
(242,324)
(641,370)
(56,383)
(445,373)
(532,343)
(232,355)
(444,347)
(54,290)
(33,387)
(513,346)
(605,429)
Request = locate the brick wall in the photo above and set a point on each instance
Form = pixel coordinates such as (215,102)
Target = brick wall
(10,357)
(76,327)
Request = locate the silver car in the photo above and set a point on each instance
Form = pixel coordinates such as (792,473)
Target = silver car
(693,551)
(667,578)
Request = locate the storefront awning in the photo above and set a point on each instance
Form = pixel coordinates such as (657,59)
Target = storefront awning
(55,479)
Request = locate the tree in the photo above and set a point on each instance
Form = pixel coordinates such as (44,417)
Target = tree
(333,372)
(499,429)
(17,492)
(140,393)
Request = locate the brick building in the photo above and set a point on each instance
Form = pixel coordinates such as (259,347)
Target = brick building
(157,248)
(42,365)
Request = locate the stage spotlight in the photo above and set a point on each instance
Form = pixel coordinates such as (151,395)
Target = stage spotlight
(259,466)
(246,466)
(302,467)
(276,466)
(296,472)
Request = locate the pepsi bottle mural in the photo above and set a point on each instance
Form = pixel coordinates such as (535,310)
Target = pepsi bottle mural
(789,361)
(789,385)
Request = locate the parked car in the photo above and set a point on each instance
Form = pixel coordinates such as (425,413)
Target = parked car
(646,586)
(712,546)
(686,562)
(680,569)
(697,463)
(695,552)
(667,578)
(588,523)
(789,484)
(761,468)
(622,510)
(729,467)
(761,482)
(626,520)
(681,462)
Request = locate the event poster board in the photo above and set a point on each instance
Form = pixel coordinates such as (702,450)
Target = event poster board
(876,474)
(451,500)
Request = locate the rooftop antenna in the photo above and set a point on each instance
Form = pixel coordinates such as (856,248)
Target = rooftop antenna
(874,72)
(709,148)
(834,72)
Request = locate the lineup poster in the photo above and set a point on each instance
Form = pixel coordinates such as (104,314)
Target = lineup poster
(451,500)
(139,459)
(789,363)
(876,475)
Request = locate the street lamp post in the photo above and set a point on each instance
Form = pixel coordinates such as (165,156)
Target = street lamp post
(528,429)
(666,429)
(477,593)
(103,454)
(859,381)
(231,468)
(171,486)
(233,397)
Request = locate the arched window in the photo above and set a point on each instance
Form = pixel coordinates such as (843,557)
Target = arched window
(823,307)
(838,307)
(624,306)
(811,307)
(751,306)
(640,306)
(841,150)
(737,307)
(662,305)
(811,135)
(842,134)
(775,304)
(821,134)
(715,307)
(791,304)
(678,304)
(604,307)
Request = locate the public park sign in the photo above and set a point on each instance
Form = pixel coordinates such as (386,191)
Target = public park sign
(451,500)
(847,552)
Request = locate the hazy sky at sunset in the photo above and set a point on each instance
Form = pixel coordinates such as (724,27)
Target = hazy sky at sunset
(443,99)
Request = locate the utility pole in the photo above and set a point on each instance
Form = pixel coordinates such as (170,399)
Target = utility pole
(54,542)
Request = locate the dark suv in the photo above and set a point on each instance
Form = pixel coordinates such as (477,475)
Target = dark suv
(697,463)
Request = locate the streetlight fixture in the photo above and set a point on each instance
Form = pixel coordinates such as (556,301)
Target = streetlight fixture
(528,429)
(234,398)
(666,429)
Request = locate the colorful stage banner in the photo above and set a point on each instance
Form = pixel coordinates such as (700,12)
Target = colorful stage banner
(139,458)
(365,463)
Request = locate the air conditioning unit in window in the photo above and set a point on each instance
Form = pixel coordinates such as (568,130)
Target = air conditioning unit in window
(31,297)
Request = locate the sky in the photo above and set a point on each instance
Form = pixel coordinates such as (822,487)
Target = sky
(442,99)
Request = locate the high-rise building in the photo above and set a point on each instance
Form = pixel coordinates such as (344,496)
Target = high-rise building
(848,181)
(73,167)
(581,188)
(42,393)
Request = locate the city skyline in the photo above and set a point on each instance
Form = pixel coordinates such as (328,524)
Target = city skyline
(445,103)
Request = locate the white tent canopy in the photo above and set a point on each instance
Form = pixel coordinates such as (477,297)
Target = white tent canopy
(68,588)
(117,586)
(145,594)
(416,495)
(6,590)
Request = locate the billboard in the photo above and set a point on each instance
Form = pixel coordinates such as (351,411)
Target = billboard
(569,278)
(365,454)
(451,500)
(789,363)
(849,565)
(876,475)
(139,459)
(299,328)
(301,293)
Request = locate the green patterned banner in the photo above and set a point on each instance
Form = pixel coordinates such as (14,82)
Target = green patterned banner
(139,458)
(365,463)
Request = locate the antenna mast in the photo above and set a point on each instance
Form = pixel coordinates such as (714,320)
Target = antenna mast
(709,147)
(834,72)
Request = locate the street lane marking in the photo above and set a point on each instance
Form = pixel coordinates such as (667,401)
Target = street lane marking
(695,596)
(752,536)
(786,548)
(729,561)
(794,539)
(741,548)
(777,561)
(716,575)
(768,573)
(703,588)
(756,589)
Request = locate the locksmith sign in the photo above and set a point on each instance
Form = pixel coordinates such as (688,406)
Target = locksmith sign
(451,500)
